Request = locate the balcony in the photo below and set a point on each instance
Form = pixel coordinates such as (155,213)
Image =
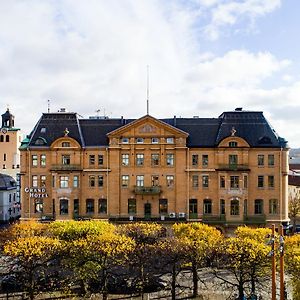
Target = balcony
(62,167)
(232,167)
(147,190)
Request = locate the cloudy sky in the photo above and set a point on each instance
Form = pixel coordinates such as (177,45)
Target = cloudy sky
(205,57)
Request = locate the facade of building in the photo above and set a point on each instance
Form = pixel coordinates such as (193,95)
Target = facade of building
(9,204)
(223,171)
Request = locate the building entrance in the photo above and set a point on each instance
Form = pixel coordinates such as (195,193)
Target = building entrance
(147,210)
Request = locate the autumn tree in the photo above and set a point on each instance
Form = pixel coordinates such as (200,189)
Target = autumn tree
(201,242)
(292,260)
(245,257)
(143,263)
(30,257)
(294,209)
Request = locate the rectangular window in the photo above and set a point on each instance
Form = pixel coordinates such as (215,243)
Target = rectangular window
(170,140)
(125,140)
(125,159)
(63,181)
(271,160)
(271,181)
(53,181)
(195,159)
(193,208)
(205,181)
(260,160)
(154,159)
(258,206)
(102,206)
(163,206)
(140,159)
(75,181)
(245,207)
(140,180)
(155,180)
(4,156)
(34,181)
(92,182)
(245,181)
(131,206)
(65,144)
(195,181)
(100,160)
(273,206)
(233,159)
(66,159)
(34,160)
(91,160)
(222,207)
(64,206)
(204,160)
(90,208)
(234,182)
(170,180)
(222,182)
(207,206)
(43,160)
(100,181)
(170,159)
(155,140)
(43,180)
(125,181)
(260,181)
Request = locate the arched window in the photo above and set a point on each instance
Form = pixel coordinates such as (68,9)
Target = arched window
(235,207)
(207,206)
(7,138)
(64,206)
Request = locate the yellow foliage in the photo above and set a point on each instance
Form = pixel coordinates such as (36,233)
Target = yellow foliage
(27,229)
(32,248)
(71,230)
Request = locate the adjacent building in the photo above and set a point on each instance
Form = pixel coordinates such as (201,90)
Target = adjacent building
(9,204)
(224,171)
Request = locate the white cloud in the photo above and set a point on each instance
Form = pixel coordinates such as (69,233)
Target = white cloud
(228,14)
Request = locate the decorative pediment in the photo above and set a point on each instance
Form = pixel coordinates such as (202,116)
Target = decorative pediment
(147,126)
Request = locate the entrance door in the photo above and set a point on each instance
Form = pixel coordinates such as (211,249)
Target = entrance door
(147,210)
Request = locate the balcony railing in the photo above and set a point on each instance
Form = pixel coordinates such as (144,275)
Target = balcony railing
(62,167)
(233,167)
(147,190)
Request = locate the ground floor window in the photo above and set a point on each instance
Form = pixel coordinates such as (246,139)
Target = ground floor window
(207,206)
(222,207)
(234,207)
(273,206)
(90,208)
(131,206)
(193,206)
(258,206)
(163,206)
(64,206)
(76,206)
(102,206)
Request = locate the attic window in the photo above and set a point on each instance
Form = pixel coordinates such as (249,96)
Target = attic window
(233,144)
(139,140)
(170,140)
(40,141)
(65,144)
(43,130)
(125,140)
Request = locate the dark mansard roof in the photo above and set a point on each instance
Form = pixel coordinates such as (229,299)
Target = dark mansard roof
(202,132)
(7,182)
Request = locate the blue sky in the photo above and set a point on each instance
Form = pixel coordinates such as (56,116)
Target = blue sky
(205,57)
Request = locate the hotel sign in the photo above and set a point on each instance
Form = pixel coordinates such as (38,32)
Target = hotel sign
(36,192)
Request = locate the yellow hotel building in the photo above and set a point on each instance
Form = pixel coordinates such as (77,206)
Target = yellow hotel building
(223,171)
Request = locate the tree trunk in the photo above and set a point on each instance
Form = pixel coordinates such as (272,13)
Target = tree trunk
(195,280)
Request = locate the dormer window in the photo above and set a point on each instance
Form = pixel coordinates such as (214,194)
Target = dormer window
(65,144)
(125,140)
(233,144)
(170,140)
(139,140)
(154,140)
(43,130)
